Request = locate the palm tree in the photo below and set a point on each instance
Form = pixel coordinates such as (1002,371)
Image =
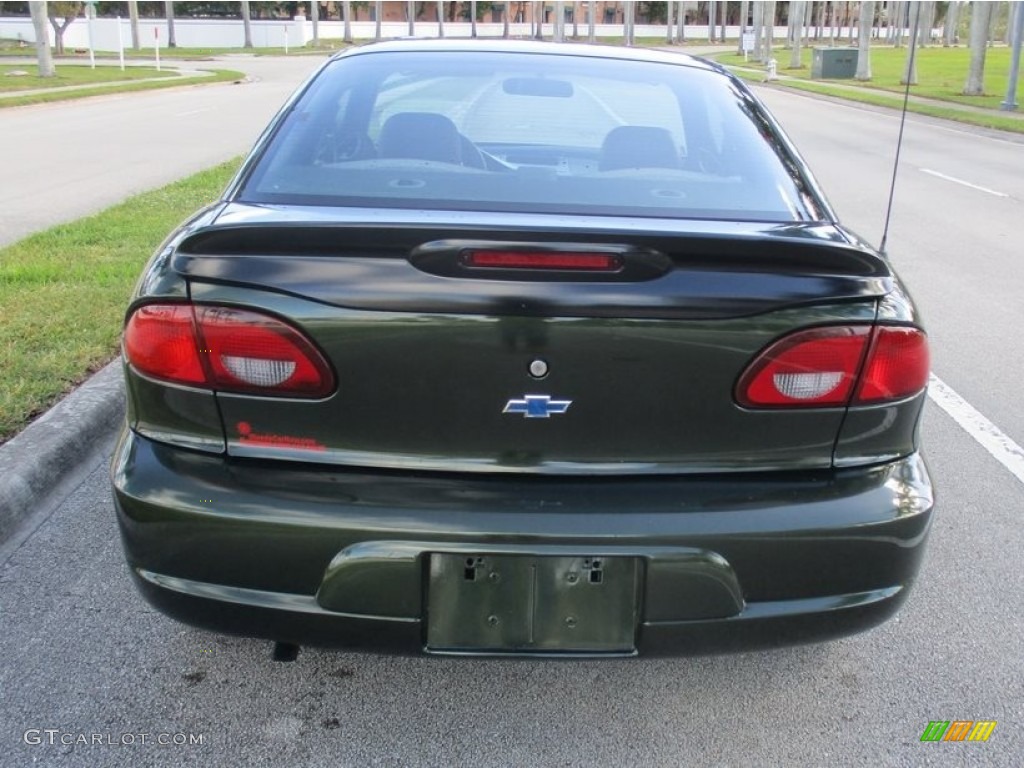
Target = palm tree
(378,12)
(864,26)
(949,29)
(440,18)
(910,69)
(591,23)
(981,17)
(169,9)
(796,33)
(346,8)
(472,21)
(133,18)
(39,23)
(246,24)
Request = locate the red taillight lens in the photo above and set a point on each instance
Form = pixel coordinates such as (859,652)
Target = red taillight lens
(226,349)
(568,260)
(160,341)
(819,368)
(897,365)
(809,368)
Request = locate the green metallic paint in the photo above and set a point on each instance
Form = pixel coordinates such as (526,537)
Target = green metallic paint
(221,520)
(648,396)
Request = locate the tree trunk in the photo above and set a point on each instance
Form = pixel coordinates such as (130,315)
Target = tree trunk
(759,30)
(246,25)
(925,23)
(669,26)
(864,25)
(43,58)
(346,10)
(949,29)
(981,15)
(378,13)
(910,68)
(711,22)
(472,19)
(681,28)
(172,41)
(744,13)
(796,15)
(133,18)
(59,29)
(440,18)
(506,30)
(591,21)
(769,33)
(410,13)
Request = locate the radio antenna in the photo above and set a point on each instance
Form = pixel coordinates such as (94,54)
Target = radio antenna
(903,121)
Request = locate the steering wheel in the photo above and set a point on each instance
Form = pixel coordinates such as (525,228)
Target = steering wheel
(344,146)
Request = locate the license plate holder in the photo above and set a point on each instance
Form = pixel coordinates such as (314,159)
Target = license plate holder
(501,603)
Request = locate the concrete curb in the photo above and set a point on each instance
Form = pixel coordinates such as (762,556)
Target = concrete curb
(34,463)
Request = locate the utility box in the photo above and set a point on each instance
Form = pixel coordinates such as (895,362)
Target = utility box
(835,63)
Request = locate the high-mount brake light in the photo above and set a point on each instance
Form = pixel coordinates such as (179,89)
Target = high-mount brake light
(837,366)
(226,349)
(556,260)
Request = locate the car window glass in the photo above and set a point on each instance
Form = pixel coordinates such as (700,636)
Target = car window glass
(529,133)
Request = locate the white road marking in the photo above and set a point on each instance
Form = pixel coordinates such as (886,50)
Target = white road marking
(193,112)
(965,183)
(991,438)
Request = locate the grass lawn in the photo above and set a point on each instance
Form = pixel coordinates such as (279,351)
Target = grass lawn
(941,72)
(99,89)
(70,75)
(998,120)
(63,292)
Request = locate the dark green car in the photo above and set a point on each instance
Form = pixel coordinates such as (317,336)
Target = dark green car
(517,348)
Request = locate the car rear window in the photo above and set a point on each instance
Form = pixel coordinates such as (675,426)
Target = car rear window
(545,133)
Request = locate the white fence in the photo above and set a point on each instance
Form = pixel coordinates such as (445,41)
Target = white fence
(228,33)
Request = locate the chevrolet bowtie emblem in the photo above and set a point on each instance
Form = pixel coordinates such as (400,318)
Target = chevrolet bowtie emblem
(537,406)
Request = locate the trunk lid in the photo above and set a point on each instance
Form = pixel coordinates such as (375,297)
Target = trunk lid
(441,366)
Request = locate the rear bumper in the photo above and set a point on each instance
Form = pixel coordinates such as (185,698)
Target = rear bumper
(324,556)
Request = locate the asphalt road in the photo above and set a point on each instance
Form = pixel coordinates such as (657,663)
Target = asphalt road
(77,158)
(82,654)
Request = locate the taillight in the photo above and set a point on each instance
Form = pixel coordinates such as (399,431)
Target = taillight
(160,341)
(226,349)
(837,366)
(897,365)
